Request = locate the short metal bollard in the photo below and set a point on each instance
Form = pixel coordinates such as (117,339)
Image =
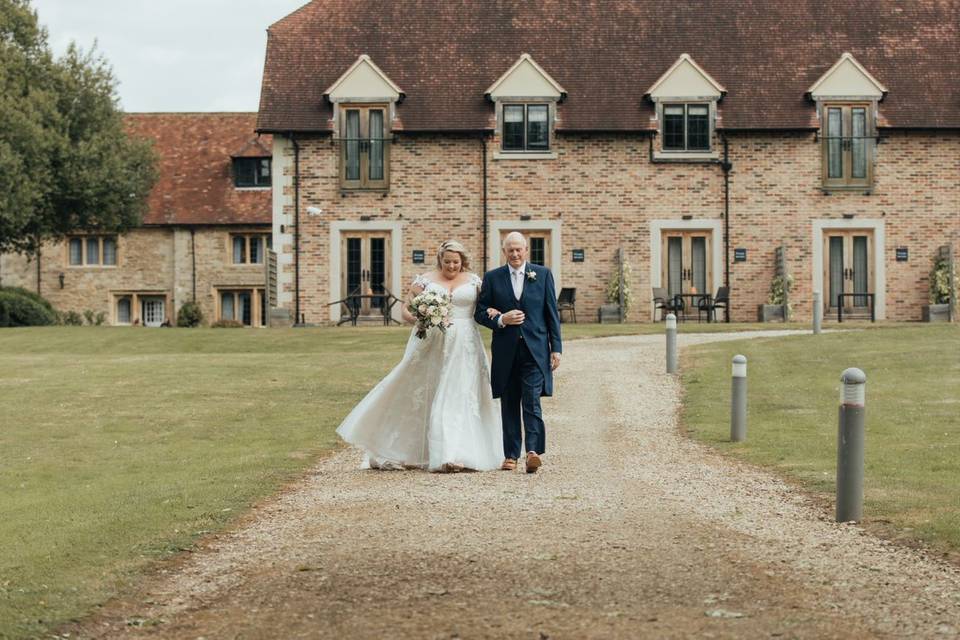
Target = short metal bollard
(817,312)
(672,363)
(850,446)
(738,400)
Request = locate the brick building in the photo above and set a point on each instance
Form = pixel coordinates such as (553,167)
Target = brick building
(204,238)
(698,137)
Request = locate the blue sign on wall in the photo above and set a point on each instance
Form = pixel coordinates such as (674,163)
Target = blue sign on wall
(419,256)
(903,254)
(578,255)
(739,255)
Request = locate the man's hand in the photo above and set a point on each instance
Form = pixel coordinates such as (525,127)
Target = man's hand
(554,361)
(513,317)
(492,313)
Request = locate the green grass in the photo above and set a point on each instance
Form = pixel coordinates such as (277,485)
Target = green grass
(912,419)
(120,446)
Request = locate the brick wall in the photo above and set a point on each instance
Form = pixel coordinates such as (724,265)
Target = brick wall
(604,192)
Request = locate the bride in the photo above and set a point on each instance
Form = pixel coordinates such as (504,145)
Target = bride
(435,409)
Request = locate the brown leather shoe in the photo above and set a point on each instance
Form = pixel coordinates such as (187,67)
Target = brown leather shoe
(509,464)
(533,461)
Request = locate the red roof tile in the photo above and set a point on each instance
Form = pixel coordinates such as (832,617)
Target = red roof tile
(196,169)
(607,53)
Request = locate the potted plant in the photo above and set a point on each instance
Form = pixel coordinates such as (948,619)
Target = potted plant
(939,308)
(777,307)
(611,312)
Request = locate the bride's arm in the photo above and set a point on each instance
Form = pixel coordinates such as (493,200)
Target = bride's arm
(415,290)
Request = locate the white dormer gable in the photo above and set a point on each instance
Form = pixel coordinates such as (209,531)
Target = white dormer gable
(364,82)
(847,79)
(526,80)
(685,80)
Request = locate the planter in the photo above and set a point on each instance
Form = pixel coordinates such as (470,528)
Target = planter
(608,313)
(936,313)
(772,313)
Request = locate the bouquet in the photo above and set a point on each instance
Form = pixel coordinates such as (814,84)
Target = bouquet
(431,309)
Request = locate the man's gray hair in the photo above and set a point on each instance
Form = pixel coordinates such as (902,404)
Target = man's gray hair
(513,235)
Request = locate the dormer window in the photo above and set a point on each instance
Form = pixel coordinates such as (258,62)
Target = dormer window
(686,100)
(525,99)
(526,127)
(251,172)
(364,149)
(686,127)
(847,97)
(364,100)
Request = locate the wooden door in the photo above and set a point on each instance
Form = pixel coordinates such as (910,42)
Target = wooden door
(365,268)
(686,262)
(848,269)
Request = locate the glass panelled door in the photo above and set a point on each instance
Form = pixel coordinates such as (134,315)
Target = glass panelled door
(686,262)
(152,311)
(848,270)
(366,269)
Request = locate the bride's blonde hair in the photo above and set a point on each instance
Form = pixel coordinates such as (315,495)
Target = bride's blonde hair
(455,247)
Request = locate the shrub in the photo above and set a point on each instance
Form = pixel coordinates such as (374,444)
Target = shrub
(18,310)
(189,315)
(33,295)
(100,318)
(88,314)
(71,319)
(613,287)
(940,281)
(227,324)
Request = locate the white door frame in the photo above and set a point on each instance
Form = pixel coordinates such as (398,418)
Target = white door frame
(494,250)
(657,227)
(396,248)
(879,253)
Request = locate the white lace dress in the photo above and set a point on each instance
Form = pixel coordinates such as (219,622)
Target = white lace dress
(436,406)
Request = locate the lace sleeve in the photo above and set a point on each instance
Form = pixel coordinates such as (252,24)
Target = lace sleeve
(476,280)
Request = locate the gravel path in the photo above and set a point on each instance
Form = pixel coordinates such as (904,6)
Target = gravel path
(630,530)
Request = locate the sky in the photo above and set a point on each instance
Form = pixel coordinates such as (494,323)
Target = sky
(172,55)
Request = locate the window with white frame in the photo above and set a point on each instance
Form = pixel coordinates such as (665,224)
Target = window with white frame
(92,251)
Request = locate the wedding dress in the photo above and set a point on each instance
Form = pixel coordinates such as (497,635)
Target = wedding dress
(436,407)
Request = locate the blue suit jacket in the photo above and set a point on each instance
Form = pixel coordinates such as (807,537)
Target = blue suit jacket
(540,328)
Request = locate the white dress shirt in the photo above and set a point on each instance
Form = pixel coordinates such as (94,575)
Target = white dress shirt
(516,279)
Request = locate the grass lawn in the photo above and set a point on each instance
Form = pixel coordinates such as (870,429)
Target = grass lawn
(912,467)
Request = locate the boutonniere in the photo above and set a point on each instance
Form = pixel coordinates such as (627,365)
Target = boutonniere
(531,275)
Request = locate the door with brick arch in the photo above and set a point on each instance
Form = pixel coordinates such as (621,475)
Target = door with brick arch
(686,262)
(365,268)
(538,245)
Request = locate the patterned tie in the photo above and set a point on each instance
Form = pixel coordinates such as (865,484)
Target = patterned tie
(516,284)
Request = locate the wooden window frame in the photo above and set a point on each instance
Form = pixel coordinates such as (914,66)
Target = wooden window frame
(526,148)
(686,127)
(265,246)
(847,181)
(258,299)
(84,254)
(261,179)
(365,182)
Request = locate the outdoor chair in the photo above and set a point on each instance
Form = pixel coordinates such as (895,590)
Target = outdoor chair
(659,302)
(567,302)
(720,301)
(676,305)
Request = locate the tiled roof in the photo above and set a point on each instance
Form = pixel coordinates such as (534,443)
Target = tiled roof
(606,53)
(196,169)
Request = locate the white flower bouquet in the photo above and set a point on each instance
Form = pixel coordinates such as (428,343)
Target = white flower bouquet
(431,309)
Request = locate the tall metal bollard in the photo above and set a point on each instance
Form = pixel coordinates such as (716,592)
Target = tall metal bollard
(850,446)
(738,400)
(817,311)
(672,363)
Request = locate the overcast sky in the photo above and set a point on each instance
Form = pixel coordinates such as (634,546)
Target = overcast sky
(173,55)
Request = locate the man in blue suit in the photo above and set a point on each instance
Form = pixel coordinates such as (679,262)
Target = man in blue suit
(526,347)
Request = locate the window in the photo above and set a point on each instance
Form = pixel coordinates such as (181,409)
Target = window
(92,251)
(251,172)
(686,127)
(847,146)
(250,248)
(246,306)
(124,310)
(526,127)
(364,152)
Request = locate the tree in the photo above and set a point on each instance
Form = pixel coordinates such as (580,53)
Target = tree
(66,163)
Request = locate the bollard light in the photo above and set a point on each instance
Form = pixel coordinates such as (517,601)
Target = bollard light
(671,321)
(817,312)
(738,400)
(672,360)
(850,446)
